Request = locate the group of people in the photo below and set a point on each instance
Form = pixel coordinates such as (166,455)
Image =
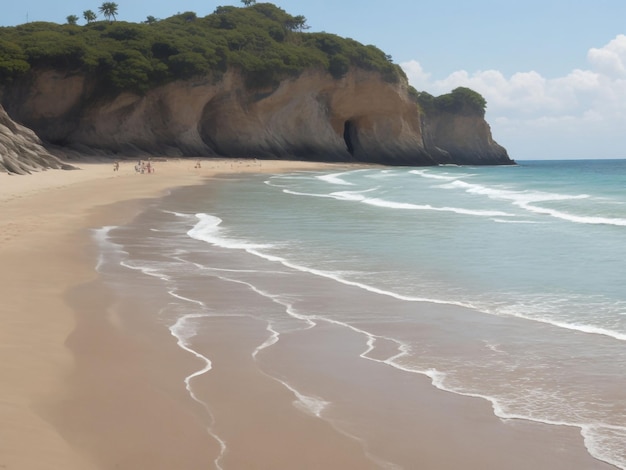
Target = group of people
(144,167)
(141,166)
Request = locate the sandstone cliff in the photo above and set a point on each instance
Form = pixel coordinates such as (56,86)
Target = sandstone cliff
(21,151)
(462,139)
(360,117)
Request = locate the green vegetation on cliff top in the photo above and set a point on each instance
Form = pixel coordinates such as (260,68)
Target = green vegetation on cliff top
(461,100)
(262,40)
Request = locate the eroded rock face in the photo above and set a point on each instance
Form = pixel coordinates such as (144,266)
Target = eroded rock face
(359,118)
(313,117)
(21,151)
(463,139)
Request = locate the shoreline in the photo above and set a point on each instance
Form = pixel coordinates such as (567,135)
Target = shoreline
(46,250)
(61,353)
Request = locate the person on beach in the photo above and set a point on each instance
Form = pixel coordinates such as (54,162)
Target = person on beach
(116,165)
(198,164)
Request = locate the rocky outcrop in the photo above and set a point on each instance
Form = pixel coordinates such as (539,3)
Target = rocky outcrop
(462,139)
(21,151)
(359,118)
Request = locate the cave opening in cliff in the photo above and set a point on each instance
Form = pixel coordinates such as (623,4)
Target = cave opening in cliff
(349,131)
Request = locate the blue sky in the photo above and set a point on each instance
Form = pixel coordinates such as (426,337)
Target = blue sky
(553,72)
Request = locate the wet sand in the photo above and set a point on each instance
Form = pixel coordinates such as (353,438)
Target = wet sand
(79,390)
(45,250)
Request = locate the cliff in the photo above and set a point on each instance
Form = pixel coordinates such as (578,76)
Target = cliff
(357,118)
(239,82)
(462,139)
(21,151)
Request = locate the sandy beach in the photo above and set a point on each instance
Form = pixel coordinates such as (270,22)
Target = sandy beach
(77,392)
(44,251)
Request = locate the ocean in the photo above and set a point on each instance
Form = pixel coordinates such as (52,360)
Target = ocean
(503,282)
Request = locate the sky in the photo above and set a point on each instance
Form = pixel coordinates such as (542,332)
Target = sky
(553,72)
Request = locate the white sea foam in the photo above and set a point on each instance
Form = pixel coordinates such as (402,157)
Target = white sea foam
(357,196)
(457,210)
(148,271)
(335,178)
(611,450)
(173,293)
(178,214)
(101,235)
(343,195)
(529,200)
(183,332)
(300,193)
(495,347)
(439,176)
(270,341)
(208,229)
(593,220)
(231,270)
(543,318)
(306,403)
(513,221)
(517,197)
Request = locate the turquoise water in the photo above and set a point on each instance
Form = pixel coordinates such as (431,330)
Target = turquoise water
(527,264)
(516,240)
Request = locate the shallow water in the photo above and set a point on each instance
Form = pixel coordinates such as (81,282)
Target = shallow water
(497,282)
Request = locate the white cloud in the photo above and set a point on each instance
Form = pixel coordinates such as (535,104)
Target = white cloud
(417,77)
(610,59)
(582,114)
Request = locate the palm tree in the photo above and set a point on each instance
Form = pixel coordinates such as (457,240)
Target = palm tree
(72,19)
(109,9)
(248,2)
(89,16)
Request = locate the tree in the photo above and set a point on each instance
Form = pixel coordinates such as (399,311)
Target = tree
(296,23)
(189,16)
(248,2)
(72,19)
(150,19)
(13,61)
(109,9)
(89,16)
